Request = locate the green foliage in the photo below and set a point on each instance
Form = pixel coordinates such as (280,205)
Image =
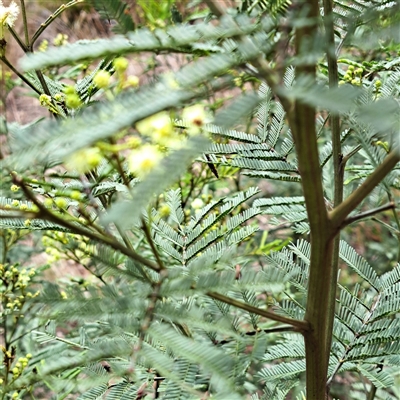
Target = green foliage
(115,10)
(181,202)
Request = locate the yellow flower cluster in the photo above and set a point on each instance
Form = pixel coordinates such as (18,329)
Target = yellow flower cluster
(159,128)
(20,365)
(102,79)
(18,280)
(84,160)
(51,241)
(353,76)
(60,40)
(44,44)
(56,245)
(72,99)
(8,16)
(23,206)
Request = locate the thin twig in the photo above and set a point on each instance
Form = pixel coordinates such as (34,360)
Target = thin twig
(51,18)
(350,154)
(25,22)
(18,39)
(300,326)
(9,65)
(372,392)
(152,245)
(45,214)
(366,214)
(339,214)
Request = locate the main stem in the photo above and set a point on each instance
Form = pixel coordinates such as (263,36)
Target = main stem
(319,307)
(338,165)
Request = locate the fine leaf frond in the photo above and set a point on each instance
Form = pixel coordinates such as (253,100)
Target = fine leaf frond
(358,264)
(115,10)
(126,213)
(175,37)
(287,370)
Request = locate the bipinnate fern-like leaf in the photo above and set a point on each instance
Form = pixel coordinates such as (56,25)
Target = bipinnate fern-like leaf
(265,154)
(264,6)
(115,10)
(366,329)
(126,213)
(178,36)
(20,215)
(188,240)
(358,264)
(240,108)
(56,141)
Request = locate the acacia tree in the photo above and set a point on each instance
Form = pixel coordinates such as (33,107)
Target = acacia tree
(178,297)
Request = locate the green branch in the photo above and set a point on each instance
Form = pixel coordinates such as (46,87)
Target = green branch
(338,163)
(22,77)
(51,18)
(338,215)
(301,326)
(366,214)
(45,214)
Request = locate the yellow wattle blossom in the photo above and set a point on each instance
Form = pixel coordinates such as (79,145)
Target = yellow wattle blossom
(84,160)
(60,40)
(161,129)
(164,210)
(44,44)
(102,79)
(8,15)
(197,204)
(75,195)
(120,64)
(196,117)
(131,81)
(73,100)
(143,160)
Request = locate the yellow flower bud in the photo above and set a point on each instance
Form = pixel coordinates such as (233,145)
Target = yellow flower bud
(61,203)
(133,142)
(102,79)
(44,44)
(131,81)
(84,160)
(69,89)
(75,195)
(195,116)
(197,204)
(45,100)
(73,101)
(48,203)
(120,64)
(60,40)
(164,210)
(58,97)
(143,160)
